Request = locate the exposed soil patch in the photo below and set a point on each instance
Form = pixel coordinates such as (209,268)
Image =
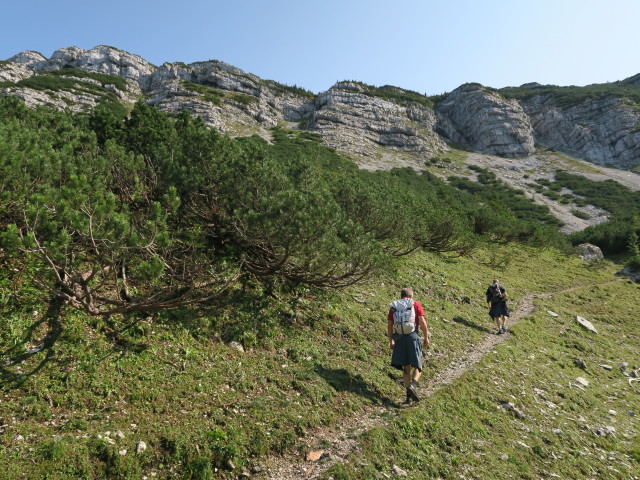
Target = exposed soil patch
(522,172)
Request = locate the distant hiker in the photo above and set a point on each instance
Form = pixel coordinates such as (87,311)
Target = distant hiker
(403,320)
(497,303)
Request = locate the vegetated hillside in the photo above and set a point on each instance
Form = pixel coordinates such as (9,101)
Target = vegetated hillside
(80,394)
(136,248)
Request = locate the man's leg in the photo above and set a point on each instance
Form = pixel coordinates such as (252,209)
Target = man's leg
(406,380)
(412,386)
(498,324)
(406,376)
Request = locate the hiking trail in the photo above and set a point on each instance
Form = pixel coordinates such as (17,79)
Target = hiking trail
(342,439)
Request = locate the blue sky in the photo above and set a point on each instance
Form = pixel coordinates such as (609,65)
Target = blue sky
(427,46)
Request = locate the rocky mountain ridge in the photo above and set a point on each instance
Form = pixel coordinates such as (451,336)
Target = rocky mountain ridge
(368,122)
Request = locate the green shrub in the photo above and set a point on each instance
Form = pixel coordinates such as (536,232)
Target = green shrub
(567,97)
(395,94)
(244,99)
(282,88)
(211,95)
(200,469)
(634,263)
(580,214)
(104,79)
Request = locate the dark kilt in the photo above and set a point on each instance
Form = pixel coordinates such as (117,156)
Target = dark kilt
(499,309)
(407,351)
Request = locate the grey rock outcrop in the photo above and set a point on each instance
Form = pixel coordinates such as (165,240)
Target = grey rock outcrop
(106,60)
(352,121)
(586,324)
(225,97)
(603,131)
(630,273)
(100,59)
(28,59)
(13,72)
(487,122)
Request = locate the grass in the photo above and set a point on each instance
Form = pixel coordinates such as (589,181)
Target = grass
(575,165)
(206,410)
(461,432)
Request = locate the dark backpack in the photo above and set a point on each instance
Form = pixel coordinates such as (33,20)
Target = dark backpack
(495,294)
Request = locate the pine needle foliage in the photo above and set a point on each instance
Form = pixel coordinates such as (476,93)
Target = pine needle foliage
(149,212)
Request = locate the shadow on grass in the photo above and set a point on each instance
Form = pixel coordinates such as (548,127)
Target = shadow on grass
(14,379)
(12,368)
(344,381)
(119,340)
(475,326)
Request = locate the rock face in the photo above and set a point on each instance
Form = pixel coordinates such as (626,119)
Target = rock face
(349,116)
(604,131)
(14,72)
(70,94)
(101,59)
(225,97)
(630,273)
(487,122)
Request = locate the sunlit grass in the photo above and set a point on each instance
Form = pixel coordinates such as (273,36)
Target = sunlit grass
(206,410)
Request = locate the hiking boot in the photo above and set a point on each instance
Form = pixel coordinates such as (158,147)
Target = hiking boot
(499,332)
(504,329)
(411,392)
(408,400)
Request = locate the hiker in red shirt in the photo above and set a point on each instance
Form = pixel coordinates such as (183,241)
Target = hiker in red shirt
(403,320)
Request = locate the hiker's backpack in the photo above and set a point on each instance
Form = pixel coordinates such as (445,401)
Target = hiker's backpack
(404,316)
(495,295)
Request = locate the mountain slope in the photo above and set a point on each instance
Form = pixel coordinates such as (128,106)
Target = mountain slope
(80,395)
(599,123)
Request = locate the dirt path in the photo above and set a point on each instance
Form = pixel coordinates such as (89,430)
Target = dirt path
(342,439)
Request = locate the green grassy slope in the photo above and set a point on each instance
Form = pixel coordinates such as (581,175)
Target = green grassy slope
(79,407)
(568,430)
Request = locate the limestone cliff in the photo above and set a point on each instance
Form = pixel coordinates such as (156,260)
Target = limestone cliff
(605,131)
(350,120)
(487,122)
(370,123)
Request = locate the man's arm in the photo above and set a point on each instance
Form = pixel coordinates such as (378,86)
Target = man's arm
(425,330)
(390,329)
